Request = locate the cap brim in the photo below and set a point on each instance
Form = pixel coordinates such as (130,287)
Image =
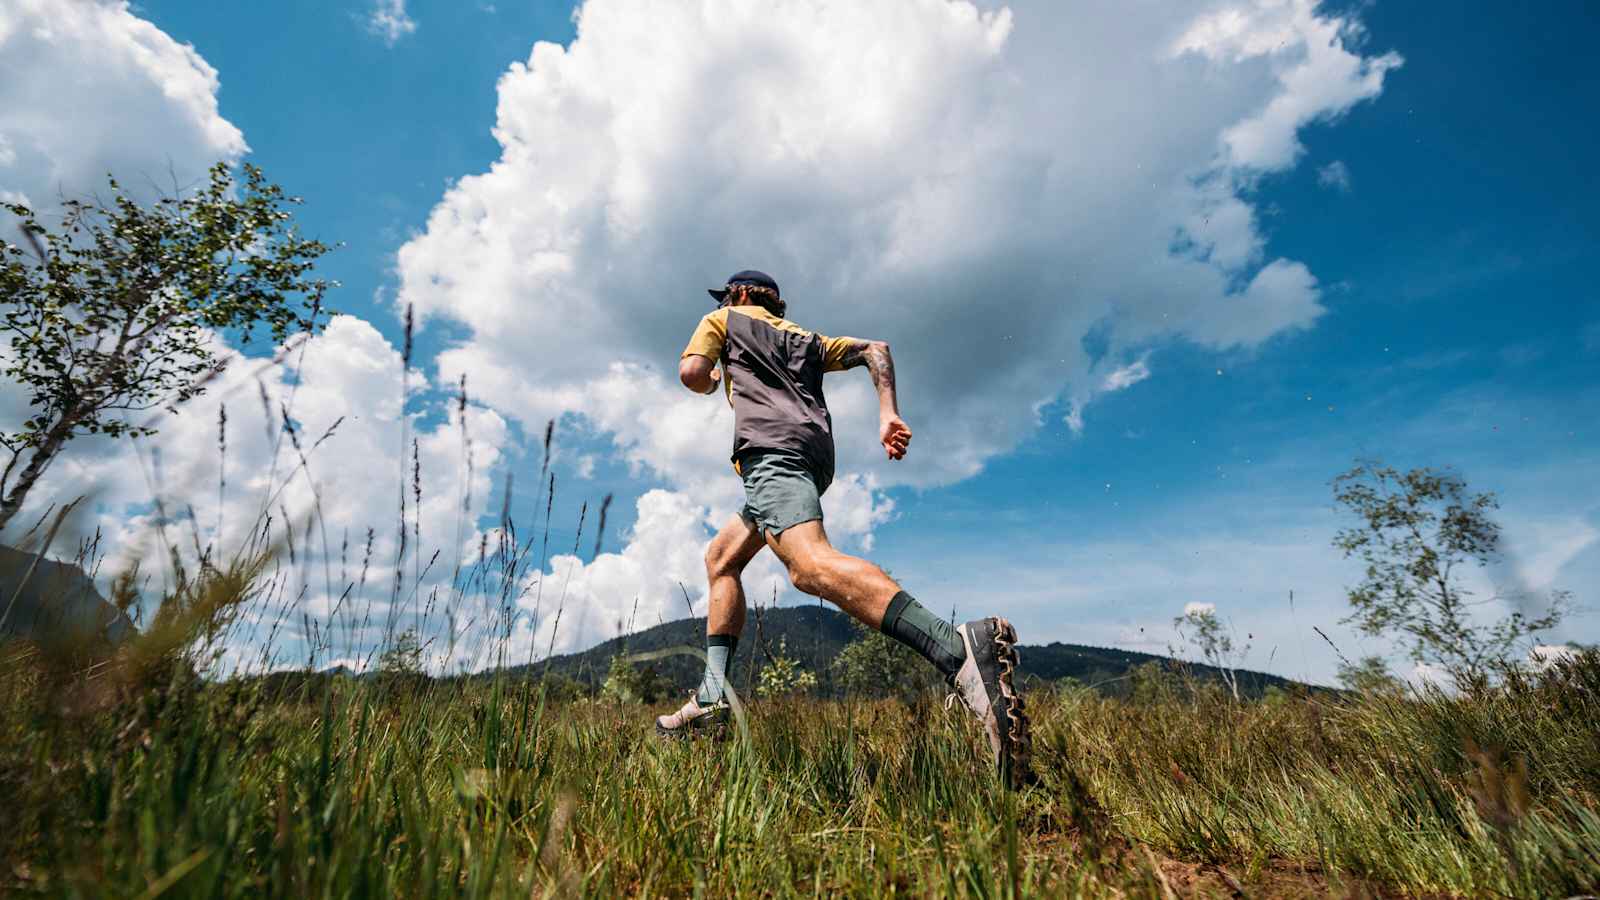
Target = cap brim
(718,294)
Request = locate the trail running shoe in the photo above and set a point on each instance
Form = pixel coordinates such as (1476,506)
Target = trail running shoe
(693,720)
(985,684)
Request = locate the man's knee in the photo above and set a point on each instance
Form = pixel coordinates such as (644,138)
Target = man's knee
(721,562)
(807,575)
(806,581)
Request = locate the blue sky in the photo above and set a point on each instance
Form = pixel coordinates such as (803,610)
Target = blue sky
(1447,220)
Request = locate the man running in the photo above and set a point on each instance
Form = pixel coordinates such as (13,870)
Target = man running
(783,450)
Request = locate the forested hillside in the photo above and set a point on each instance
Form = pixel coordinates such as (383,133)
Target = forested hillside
(814,636)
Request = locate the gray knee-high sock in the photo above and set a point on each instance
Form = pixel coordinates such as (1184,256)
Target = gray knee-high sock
(910,623)
(719,653)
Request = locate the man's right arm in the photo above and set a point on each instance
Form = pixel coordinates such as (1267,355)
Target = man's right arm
(697,367)
(698,374)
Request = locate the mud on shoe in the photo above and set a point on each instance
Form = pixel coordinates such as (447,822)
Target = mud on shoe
(694,720)
(986,684)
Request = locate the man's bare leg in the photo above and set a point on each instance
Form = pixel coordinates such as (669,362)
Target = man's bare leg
(729,552)
(866,593)
(854,585)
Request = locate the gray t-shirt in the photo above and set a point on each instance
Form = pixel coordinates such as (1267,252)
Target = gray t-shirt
(772,371)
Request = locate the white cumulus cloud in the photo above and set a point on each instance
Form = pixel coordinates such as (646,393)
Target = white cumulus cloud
(1308,55)
(1544,656)
(967,184)
(88,88)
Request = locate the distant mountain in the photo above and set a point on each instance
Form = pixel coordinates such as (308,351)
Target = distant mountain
(810,634)
(1108,669)
(56,599)
(814,635)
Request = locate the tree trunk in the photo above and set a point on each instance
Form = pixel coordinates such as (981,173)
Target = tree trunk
(43,455)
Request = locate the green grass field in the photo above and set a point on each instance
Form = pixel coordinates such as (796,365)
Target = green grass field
(138,780)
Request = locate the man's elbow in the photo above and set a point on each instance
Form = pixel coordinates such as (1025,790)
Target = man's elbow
(693,377)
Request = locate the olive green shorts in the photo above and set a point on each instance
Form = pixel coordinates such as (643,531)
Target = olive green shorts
(781,490)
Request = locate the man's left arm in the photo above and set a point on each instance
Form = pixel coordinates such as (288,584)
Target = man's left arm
(850,353)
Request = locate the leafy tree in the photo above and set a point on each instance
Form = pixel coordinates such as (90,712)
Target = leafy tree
(1154,683)
(561,688)
(1200,627)
(1369,675)
(403,656)
(876,665)
(113,312)
(783,674)
(627,683)
(1417,532)
(399,670)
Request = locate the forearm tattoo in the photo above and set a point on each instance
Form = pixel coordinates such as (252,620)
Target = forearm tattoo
(875,356)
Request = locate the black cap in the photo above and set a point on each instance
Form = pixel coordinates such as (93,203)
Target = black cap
(747,276)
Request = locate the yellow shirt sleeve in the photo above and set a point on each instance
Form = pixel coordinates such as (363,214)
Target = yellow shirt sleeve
(709,337)
(834,350)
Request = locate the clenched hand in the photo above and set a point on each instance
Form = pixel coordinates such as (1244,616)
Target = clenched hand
(895,435)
